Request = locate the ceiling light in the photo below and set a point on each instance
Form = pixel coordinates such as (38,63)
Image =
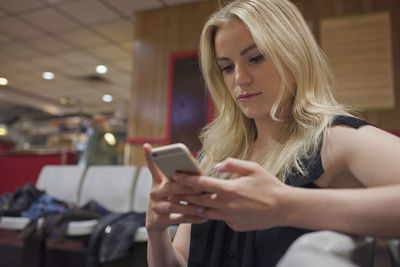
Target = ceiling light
(3,81)
(48,75)
(101,69)
(107,98)
(110,139)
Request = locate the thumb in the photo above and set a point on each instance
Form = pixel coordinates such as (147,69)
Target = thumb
(241,167)
(156,173)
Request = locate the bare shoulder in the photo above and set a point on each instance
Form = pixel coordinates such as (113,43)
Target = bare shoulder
(182,240)
(368,153)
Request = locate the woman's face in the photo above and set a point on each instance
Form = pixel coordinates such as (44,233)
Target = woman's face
(252,79)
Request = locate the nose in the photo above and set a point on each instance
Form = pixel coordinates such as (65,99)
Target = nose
(242,76)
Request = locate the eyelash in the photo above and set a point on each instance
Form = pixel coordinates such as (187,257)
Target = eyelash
(253,60)
(227,68)
(257,59)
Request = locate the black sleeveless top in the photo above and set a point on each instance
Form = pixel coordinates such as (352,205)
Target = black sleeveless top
(214,244)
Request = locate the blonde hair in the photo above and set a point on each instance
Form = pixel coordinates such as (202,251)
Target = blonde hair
(280,33)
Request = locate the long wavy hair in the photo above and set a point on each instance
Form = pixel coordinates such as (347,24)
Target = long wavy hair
(281,33)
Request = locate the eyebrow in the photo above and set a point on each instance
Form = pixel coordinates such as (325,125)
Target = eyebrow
(244,51)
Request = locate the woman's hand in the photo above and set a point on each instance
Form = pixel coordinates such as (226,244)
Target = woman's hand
(253,201)
(161,212)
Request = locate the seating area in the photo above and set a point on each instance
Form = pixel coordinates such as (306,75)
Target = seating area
(125,189)
(119,189)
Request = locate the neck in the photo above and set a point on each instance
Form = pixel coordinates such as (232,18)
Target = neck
(268,133)
(269,130)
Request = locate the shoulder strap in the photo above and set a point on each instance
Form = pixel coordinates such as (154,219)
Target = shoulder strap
(350,121)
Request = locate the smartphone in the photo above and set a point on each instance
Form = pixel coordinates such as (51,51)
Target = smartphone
(175,158)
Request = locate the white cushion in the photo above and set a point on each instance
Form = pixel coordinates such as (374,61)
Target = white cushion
(110,186)
(141,194)
(14,223)
(61,181)
(80,228)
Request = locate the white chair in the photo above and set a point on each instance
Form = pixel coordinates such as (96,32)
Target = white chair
(141,194)
(330,249)
(59,181)
(62,182)
(141,197)
(111,187)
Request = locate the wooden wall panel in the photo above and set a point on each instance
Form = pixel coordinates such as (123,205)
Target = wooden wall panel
(314,10)
(162,32)
(158,34)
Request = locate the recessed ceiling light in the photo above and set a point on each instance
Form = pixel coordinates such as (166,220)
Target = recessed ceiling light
(3,81)
(107,98)
(48,75)
(101,69)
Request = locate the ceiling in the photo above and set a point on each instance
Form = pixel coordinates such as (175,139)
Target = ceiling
(69,38)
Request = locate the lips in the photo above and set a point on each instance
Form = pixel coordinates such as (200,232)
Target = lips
(244,97)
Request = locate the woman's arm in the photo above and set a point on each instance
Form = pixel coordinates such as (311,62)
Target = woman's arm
(371,211)
(161,252)
(257,200)
(372,156)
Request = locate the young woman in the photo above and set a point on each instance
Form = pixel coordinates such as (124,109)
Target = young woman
(276,152)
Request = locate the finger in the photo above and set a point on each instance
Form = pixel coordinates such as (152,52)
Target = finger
(241,167)
(202,200)
(177,218)
(213,214)
(208,214)
(170,207)
(203,183)
(169,189)
(155,171)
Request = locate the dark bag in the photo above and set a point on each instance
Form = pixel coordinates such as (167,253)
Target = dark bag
(55,225)
(113,237)
(46,205)
(20,201)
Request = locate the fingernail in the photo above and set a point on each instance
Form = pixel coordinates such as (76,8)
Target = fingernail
(182,202)
(218,166)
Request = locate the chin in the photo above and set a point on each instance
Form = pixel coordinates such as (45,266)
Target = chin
(256,116)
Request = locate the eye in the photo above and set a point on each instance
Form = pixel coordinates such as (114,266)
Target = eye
(257,59)
(227,68)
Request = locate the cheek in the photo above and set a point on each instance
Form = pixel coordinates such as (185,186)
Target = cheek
(229,84)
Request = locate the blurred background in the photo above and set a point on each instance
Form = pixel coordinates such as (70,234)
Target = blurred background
(65,76)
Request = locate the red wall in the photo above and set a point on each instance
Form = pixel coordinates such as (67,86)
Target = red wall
(16,170)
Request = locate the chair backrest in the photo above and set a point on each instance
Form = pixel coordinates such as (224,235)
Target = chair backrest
(141,193)
(61,181)
(110,186)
